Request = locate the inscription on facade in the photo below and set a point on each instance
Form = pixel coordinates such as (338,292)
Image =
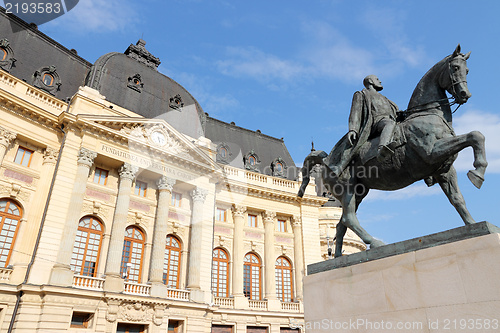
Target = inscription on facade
(148,163)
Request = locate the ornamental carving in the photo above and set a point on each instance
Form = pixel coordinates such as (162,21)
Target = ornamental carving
(7,59)
(6,137)
(134,312)
(50,155)
(269,216)
(239,211)
(86,157)
(139,53)
(199,194)
(176,102)
(135,83)
(165,183)
(128,171)
(47,79)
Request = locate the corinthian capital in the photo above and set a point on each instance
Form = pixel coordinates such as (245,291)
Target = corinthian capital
(165,183)
(86,157)
(6,137)
(239,211)
(269,216)
(296,221)
(199,194)
(128,171)
(50,155)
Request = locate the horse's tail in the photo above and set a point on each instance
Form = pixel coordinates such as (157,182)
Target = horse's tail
(315,157)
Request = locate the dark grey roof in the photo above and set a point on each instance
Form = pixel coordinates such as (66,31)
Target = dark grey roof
(131,80)
(34,51)
(241,142)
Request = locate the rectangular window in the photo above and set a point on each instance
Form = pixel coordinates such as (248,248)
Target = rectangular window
(221,215)
(23,156)
(81,319)
(252,221)
(100,176)
(282,225)
(140,188)
(176,199)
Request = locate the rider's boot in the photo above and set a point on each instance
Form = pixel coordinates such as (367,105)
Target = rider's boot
(384,152)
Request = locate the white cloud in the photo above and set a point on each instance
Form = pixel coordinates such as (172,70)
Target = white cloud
(97,16)
(254,63)
(489,125)
(415,190)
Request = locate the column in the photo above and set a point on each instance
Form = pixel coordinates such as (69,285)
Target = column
(29,231)
(165,186)
(114,281)
(270,261)
(61,272)
(198,195)
(298,256)
(240,301)
(6,138)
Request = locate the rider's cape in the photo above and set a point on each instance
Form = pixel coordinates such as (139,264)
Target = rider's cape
(342,154)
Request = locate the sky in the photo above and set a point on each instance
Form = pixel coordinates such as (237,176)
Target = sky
(290,68)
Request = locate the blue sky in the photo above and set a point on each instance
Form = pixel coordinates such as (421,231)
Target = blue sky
(290,68)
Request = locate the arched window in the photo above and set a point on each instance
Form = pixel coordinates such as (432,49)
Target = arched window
(87,247)
(284,279)
(171,262)
(133,249)
(10,215)
(220,282)
(251,276)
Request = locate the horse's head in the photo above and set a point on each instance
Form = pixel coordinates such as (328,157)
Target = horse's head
(454,76)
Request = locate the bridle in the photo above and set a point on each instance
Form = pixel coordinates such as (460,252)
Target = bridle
(441,102)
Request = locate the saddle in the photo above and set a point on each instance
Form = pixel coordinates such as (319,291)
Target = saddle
(369,150)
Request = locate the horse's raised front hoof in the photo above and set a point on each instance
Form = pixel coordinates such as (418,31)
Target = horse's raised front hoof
(376,243)
(475,178)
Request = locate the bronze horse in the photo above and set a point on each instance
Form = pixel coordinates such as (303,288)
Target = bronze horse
(425,148)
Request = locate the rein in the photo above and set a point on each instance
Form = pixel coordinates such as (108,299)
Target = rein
(453,83)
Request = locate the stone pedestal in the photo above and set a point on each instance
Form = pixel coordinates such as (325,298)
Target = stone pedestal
(437,283)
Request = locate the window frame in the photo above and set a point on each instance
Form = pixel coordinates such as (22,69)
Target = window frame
(282,225)
(249,268)
(169,249)
(141,188)
(6,215)
(252,221)
(176,199)
(280,279)
(89,231)
(101,171)
(133,241)
(86,322)
(52,79)
(216,272)
(24,151)
(221,212)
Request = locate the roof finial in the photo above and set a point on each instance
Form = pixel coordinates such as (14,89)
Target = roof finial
(312,145)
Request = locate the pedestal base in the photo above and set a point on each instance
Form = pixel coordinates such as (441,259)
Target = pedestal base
(61,275)
(113,283)
(434,289)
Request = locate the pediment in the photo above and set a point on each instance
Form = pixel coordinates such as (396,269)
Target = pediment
(155,134)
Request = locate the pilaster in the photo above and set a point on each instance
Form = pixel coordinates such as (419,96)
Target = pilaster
(299,257)
(198,195)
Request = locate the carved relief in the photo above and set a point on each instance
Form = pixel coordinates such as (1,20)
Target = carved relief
(135,83)
(128,171)
(86,157)
(50,155)
(176,102)
(269,216)
(139,53)
(47,79)
(239,211)
(199,194)
(165,183)
(6,137)
(7,59)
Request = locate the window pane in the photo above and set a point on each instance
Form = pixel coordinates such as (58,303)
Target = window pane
(8,229)
(23,156)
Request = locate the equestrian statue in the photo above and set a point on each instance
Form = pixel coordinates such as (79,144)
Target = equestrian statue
(387,149)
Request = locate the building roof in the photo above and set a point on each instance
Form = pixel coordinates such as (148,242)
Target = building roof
(131,80)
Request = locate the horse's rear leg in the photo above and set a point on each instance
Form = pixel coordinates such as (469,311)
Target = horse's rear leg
(449,184)
(339,239)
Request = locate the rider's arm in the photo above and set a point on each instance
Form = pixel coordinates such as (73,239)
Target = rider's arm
(356,112)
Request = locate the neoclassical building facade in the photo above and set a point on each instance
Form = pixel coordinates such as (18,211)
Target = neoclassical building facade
(124,210)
